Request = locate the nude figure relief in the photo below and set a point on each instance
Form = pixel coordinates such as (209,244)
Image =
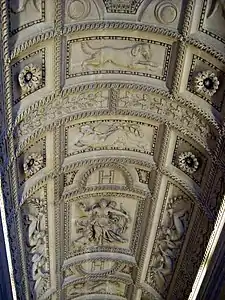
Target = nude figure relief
(170,239)
(120,135)
(101,223)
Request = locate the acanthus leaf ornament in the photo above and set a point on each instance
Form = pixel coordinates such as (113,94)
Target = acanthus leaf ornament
(30,78)
(33,163)
(188,162)
(206,83)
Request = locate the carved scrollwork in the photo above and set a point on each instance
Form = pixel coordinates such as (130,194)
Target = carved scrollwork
(214,5)
(79,9)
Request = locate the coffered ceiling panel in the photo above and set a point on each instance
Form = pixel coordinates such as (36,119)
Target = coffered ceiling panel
(112,146)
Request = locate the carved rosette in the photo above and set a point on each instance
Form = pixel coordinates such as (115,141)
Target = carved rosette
(206,83)
(30,78)
(33,163)
(188,162)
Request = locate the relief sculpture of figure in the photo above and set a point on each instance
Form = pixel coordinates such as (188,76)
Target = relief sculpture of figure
(37,246)
(214,5)
(117,134)
(22,5)
(132,57)
(172,232)
(102,223)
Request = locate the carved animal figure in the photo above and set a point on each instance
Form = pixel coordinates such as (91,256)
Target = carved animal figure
(133,57)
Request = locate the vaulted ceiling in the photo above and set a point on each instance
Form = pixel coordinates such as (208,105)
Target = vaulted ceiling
(112,144)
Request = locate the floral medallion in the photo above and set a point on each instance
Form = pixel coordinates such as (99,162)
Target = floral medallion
(188,162)
(33,163)
(206,83)
(30,78)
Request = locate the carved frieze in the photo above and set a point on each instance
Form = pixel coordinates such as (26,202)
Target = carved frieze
(206,80)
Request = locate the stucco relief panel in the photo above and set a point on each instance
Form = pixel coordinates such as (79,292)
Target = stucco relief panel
(110,134)
(119,55)
(160,107)
(35,228)
(28,74)
(100,287)
(79,10)
(163,13)
(172,229)
(26,13)
(102,222)
(212,19)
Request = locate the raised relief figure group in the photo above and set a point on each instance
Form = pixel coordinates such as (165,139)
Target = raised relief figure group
(101,223)
(112,134)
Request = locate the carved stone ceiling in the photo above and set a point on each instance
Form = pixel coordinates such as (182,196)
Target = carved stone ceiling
(112,144)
